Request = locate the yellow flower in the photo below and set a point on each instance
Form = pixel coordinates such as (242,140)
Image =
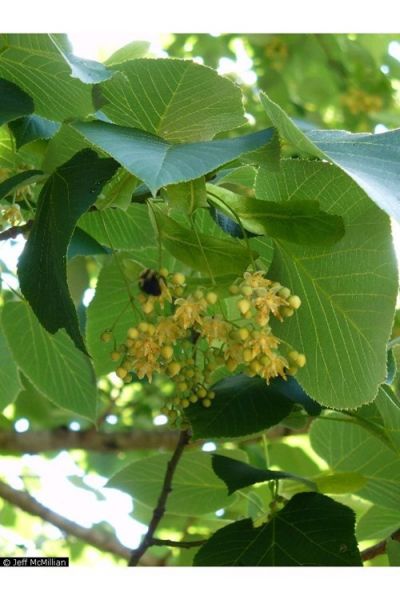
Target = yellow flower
(167,330)
(270,302)
(214,328)
(189,311)
(146,368)
(256,279)
(275,367)
(234,351)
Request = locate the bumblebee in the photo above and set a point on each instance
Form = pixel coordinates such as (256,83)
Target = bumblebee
(151,282)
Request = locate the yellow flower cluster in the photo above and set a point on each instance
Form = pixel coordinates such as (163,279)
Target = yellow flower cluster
(186,334)
(276,51)
(10,214)
(358,101)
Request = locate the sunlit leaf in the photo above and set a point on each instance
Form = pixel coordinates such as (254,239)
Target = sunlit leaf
(52,363)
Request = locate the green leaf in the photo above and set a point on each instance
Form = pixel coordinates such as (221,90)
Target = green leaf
(14,102)
(340,483)
(296,221)
(117,193)
(121,230)
(28,129)
(311,530)
(347,447)
(393,552)
(371,160)
(132,50)
(348,292)
(237,475)
(62,147)
(38,68)
(83,244)
(19,180)
(7,153)
(158,162)
(388,407)
(377,523)
(10,383)
(110,308)
(186,197)
(178,100)
(37,408)
(87,71)
(67,194)
(244,405)
(52,363)
(195,488)
(205,253)
(391,367)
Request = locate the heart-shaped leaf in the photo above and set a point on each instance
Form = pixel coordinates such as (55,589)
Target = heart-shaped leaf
(312,530)
(158,162)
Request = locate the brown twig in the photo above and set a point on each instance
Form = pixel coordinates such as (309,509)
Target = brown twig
(102,541)
(158,513)
(12,232)
(379,548)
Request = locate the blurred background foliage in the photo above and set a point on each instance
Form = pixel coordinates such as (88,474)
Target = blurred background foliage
(342,81)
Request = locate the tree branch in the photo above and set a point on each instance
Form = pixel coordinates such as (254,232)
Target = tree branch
(33,442)
(174,544)
(12,232)
(99,540)
(379,548)
(62,438)
(158,513)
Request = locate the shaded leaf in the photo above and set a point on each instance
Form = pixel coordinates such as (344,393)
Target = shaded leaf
(391,367)
(117,193)
(62,147)
(204,253)
(393,552)
(28,129)
(311,530)
(14,102)
(296,221)
(19,180)
(244,405)
(83,244)
(186,197)
(67,194)
(158,162)
(52,363)
(237,475)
